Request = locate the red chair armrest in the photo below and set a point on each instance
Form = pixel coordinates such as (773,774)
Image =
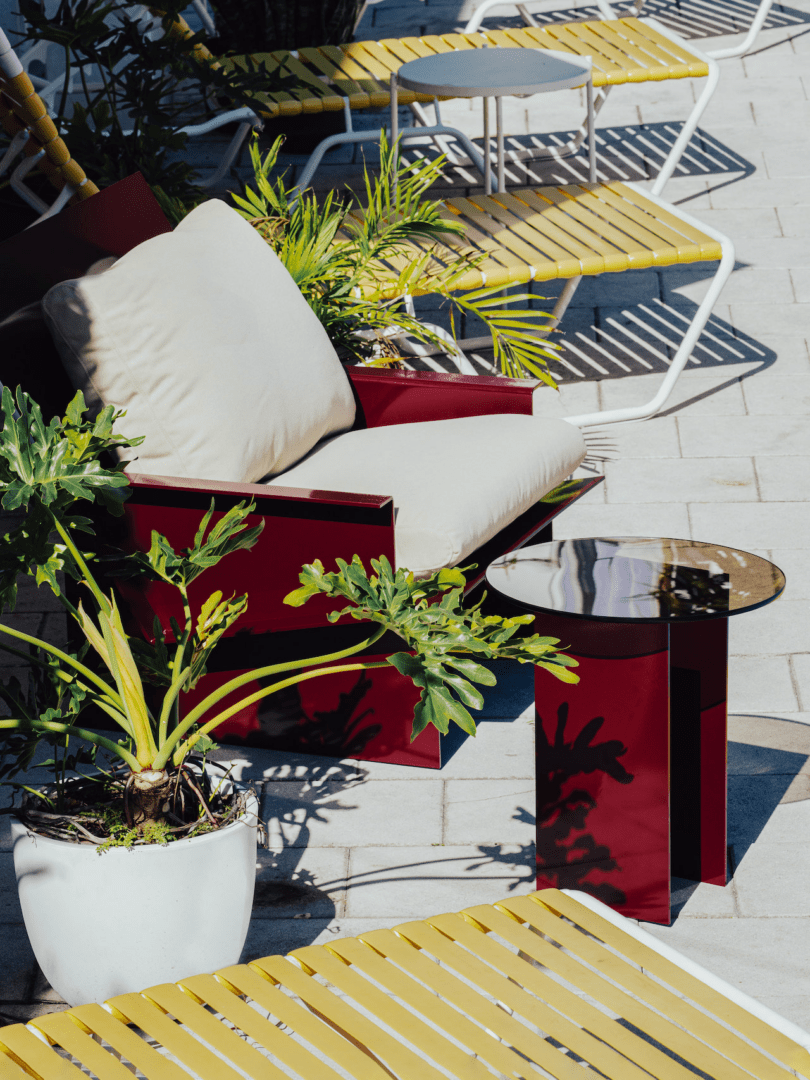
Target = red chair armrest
(300,526)
(405,397)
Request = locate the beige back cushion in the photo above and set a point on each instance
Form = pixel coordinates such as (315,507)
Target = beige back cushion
(206,341)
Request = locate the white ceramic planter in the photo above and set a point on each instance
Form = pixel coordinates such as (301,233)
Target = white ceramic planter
(121,921)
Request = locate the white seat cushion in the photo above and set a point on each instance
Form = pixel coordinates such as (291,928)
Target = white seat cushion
(206,341)
(455,483)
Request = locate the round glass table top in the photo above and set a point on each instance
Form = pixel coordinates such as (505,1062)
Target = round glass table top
(636,579)
(494,72)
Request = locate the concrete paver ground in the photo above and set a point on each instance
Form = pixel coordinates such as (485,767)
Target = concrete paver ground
(355,845)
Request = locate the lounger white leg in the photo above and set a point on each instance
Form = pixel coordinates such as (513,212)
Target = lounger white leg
(750,37)
(701,317)
(688,129)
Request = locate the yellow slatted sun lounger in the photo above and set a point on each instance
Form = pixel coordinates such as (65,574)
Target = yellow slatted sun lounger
(357,75)
(541,985)
(576,231)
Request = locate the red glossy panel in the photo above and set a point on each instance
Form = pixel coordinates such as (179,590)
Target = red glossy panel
(699,654)
(112,222)
(365,715)
(406,397)
(602,753)
(267,573)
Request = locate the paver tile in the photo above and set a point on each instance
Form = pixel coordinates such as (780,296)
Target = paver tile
(295,881)
(349,814)
(489,811)
(744,436)
(773,253)
(777,395)
(758,191)
(398,880)
(781,481)
(779,628)
(773,879)
(715,395)
(761,684)
(10,911)
(752,525)
(759,745)
(710,480)
(651,519)
(697,900)
(655,438)
(18,966)
(762,223)
(800,664)
(795,220)
(793,563)
(776,318)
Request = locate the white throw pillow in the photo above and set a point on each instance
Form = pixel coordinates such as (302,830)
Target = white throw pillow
(206,341)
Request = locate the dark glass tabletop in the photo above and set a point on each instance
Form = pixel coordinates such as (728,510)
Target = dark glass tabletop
(636,579)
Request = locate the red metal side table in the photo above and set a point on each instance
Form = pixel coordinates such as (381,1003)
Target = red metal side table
(631,762)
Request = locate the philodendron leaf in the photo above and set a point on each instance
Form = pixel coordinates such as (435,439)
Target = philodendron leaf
(444,641)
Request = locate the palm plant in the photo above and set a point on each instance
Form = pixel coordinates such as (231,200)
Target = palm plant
(47,469)
(358,262)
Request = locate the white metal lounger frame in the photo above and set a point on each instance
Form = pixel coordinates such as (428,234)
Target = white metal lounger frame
(696,327)
(454,349)
(740,49)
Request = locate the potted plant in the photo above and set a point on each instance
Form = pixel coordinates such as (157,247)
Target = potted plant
(142,871)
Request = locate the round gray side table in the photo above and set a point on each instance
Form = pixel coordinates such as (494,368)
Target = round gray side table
(498,73)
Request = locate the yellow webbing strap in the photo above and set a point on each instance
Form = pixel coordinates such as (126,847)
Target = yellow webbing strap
(539,234)
(532,987)
(623,51)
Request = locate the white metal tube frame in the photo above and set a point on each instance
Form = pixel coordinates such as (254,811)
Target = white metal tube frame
(684,351)
(733,993)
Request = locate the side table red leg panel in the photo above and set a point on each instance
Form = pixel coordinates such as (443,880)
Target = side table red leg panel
(602,763)
(699,665)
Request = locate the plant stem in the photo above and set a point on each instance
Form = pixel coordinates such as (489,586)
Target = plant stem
(90,581)
(188,745)
(63,656)
(81,733)
(241,680)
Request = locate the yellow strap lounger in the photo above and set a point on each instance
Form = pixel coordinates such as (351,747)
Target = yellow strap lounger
(542,985)
(571,232)
(357,76)
(523,8)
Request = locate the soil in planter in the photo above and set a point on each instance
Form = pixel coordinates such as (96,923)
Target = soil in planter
(100,811)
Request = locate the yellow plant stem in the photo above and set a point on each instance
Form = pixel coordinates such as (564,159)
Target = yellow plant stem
(107,690)
(173,740)
(187,746)
(80,733)
(90,581)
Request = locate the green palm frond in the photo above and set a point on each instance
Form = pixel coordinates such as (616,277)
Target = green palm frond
(356,261)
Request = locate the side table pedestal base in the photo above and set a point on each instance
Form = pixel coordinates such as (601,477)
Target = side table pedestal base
(651,705)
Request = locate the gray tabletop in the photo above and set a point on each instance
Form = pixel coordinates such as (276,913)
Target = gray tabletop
(494,72)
